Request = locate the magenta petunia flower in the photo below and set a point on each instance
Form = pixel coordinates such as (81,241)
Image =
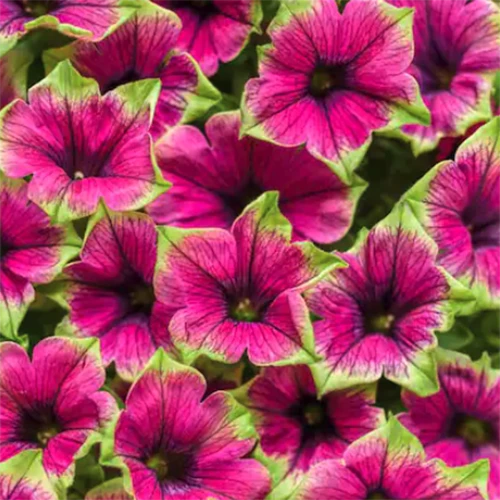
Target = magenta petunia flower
(53,403)
(240,290)
(110,293)
(457,51)
(215,31)
(214,178)
(458,203)
(81,147)
(22,477)
(173,446)
(460,423)
(296,428)
(84,19)
(329,79)
(31,251)
(390,463)
(143,47)
(378,315)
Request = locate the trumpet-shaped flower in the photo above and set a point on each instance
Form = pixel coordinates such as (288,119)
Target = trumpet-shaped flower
(298,429)
(457,51)
(378,316)
(110,293)
(458,203)
(330,79)
(214,178)
(460,423)
(81,147)
(174,446)
(215,31)
(390,463)
(53,402)
(240,290)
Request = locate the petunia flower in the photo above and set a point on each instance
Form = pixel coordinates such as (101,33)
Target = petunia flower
(173,446)
(390,463)
(110,293)
(457,52)
(215,31)
(460,423)
(31,251)
(81,147)
(330,79)
(378,315)
(458,203)
(22,477)
(240,290)
(85,19)
(143,47)
(214,178)
(53,402)
(113,489)
(298,429)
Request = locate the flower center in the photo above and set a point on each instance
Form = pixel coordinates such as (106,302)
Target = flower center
(314,414)
(39,426)
(484,230)
(45,434)
(37,8)
(169,466)
(443,76)
(379,323)
(244,310)
(142,298)
(237,203)
(203,8)
(325,79)
(473,431)
(377,495)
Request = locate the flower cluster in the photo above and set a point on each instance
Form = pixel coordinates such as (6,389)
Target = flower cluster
(249,249)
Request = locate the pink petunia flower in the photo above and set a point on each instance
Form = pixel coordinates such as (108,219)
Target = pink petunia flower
(110,293)
(81,147)
(240,290)
(458,203)
(215,31)
(329,79)
(53,402)
(86,19)
(457,52)
(460,423)
(172,445)
(23,477)
(214,178)
(296,428)
(390,463)
(32,251)
(143,47)
(378,316)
